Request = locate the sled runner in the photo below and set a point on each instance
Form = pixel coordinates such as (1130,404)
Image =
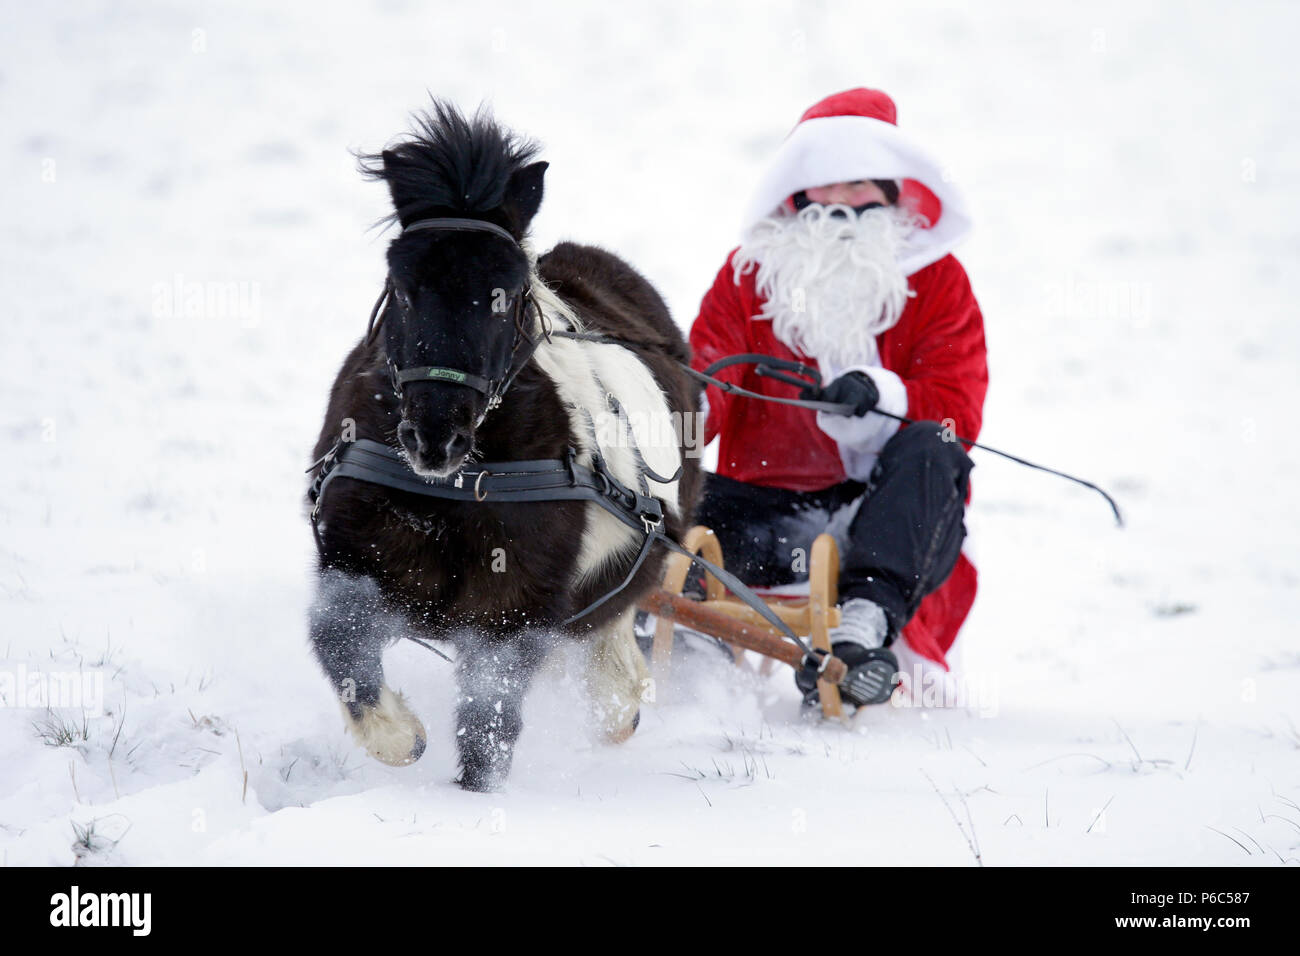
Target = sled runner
(733,621)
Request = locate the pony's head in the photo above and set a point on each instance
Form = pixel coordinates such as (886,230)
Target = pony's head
(455,326)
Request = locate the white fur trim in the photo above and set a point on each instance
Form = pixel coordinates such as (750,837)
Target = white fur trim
(860,439)
(833,149)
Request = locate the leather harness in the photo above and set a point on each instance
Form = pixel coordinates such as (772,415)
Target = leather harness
(537,480)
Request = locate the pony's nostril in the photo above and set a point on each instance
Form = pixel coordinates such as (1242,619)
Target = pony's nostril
(426,452)
(458,445)
(410,438)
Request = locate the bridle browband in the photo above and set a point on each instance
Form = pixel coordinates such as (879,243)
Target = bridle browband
(494,389)
(466,225)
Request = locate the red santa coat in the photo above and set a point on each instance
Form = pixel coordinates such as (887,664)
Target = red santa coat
(936,349)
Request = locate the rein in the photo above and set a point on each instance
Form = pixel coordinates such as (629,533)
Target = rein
(566,480)
(769,366)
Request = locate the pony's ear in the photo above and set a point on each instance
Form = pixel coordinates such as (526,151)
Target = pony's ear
(398,189)
(524,193)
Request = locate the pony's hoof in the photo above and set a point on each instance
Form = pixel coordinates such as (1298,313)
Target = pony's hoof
(619,734)
(481,781)
(389,731)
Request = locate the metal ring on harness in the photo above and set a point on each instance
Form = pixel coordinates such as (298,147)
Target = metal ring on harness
(818,657)
(478,481)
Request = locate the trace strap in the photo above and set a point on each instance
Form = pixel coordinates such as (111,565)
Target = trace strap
(546,479)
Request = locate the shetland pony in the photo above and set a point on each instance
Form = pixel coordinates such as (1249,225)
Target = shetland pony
(495,579)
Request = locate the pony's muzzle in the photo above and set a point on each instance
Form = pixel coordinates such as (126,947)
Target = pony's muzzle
(435,455)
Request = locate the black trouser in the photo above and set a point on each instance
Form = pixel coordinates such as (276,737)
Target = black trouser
(902,541)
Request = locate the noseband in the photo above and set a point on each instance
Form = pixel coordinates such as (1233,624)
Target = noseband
(494,389)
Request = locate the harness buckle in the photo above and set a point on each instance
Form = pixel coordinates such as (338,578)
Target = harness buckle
(326,464)
(651,512)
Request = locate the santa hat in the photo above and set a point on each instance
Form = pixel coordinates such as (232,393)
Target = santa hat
(854,135)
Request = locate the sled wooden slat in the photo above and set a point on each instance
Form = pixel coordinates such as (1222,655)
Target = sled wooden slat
(703,616)
(793,614)
(740,626)
(823,595)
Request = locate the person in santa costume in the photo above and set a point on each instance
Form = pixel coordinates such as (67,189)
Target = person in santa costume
(845,264)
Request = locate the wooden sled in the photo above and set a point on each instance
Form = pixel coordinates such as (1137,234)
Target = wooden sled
(731,620)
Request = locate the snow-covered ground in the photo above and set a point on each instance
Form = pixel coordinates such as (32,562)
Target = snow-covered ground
(186,259)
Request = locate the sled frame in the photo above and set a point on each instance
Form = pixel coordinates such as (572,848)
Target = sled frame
(812,616)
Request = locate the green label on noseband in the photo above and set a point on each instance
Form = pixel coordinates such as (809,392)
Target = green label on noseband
(450,374)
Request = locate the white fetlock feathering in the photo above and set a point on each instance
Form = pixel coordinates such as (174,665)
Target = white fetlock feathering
(617,680)
(390,732)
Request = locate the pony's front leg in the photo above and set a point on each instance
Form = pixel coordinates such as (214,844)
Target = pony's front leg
(349,630)
(618,679)
(493,675)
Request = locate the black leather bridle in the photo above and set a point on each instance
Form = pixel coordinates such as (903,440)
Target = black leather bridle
(493,388)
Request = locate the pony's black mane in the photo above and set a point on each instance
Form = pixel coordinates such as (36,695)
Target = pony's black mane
(449,164)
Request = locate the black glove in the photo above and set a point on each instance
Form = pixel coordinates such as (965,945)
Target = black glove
(852,388)
(871,678)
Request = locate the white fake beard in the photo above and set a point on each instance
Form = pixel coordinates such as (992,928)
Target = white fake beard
(831,282)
